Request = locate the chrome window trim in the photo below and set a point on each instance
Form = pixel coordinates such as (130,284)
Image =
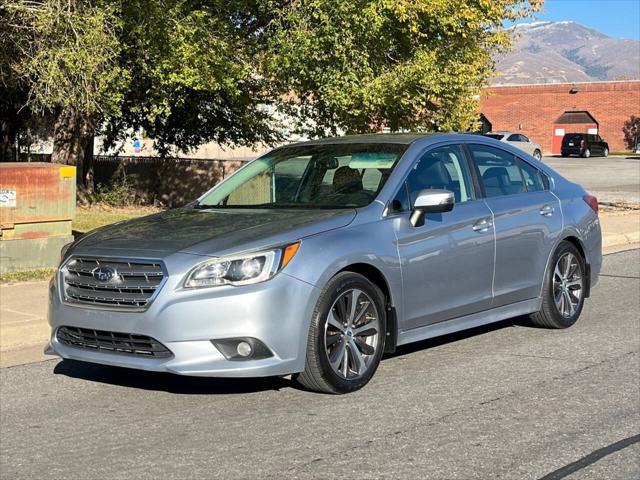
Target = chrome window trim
(70,303)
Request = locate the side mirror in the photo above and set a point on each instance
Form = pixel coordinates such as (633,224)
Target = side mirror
(431,201)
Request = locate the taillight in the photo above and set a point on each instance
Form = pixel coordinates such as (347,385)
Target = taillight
(592,202)
(582,143)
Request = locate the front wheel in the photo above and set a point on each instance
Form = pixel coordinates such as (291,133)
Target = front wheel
(537,154)
(563,289)
(346,337)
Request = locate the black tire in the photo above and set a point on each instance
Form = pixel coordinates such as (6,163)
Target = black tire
(537,154)
(586,153)
(549,315)
(605,152)
(318,374)
(564,154)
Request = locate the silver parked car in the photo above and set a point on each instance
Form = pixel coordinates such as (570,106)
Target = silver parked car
(520,141)
(318,257)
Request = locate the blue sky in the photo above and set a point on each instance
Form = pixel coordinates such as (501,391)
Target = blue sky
(616,18)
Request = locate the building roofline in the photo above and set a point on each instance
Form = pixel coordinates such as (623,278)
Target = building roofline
(547,84)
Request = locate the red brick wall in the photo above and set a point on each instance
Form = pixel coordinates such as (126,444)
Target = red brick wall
(533,109)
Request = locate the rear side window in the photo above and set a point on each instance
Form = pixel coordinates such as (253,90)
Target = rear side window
(531,176)
(502,173)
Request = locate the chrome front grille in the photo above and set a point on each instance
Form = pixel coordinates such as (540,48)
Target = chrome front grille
(116,283)
(112,342)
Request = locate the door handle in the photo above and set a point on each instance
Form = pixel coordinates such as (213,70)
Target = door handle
(482,226)
(547,211)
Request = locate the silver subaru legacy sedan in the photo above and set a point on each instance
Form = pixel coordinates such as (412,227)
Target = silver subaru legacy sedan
(317,258)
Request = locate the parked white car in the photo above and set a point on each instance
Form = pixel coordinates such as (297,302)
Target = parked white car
(519,141)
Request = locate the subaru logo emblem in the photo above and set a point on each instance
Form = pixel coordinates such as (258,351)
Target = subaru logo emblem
(103,274)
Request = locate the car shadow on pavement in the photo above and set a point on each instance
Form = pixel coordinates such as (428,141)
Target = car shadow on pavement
(166,382)
(183,385)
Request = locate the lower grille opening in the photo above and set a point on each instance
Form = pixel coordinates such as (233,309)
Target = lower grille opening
(112,342)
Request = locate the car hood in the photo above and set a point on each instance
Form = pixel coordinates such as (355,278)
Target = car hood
(211,231)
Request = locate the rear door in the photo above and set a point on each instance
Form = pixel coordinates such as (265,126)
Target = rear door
(527,221)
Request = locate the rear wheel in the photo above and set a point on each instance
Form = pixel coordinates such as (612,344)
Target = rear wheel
(346,337)
(586,153)
(563,289)
(605,152)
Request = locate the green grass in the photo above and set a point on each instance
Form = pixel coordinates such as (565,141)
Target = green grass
(27,275)
(88,219)
(627,153)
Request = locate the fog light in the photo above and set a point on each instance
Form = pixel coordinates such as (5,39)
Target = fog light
(244,349)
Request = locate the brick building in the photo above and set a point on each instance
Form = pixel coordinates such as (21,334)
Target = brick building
(546,112)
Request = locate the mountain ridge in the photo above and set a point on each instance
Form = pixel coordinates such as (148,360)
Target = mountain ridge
(565,52)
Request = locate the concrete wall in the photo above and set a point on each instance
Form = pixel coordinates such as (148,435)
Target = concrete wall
(533,109)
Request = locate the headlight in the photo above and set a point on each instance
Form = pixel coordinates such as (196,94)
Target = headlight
(241,270)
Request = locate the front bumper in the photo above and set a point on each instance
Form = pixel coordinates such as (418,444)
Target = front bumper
(276,312)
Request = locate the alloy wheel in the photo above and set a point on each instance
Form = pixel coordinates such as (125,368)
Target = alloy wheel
(567,284)
(351,334)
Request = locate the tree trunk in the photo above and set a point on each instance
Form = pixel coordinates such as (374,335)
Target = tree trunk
(87,165)
(73,145)
(7,141)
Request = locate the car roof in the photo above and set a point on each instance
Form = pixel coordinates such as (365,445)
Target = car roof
(397,138)
(501,132)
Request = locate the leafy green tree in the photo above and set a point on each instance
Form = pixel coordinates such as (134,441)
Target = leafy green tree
(631,131)
(358,65)
(192,71)
(65,58)
(184,71)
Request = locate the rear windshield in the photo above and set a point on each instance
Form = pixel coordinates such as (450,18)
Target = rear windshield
(573,137)
(495,135)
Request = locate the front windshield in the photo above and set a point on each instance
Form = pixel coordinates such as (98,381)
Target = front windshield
(309,176)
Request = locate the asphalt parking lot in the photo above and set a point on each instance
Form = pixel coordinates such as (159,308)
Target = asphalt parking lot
(610,179)
(507,401)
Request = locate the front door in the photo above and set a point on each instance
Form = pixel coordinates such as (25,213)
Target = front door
(447,263)
(527,221)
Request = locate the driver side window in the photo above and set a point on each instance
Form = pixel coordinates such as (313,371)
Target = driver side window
(441,168)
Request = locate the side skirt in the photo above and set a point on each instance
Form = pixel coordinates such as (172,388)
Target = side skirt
(469,321)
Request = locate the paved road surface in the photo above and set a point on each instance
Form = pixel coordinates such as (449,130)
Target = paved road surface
(509,401)
(610,179)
